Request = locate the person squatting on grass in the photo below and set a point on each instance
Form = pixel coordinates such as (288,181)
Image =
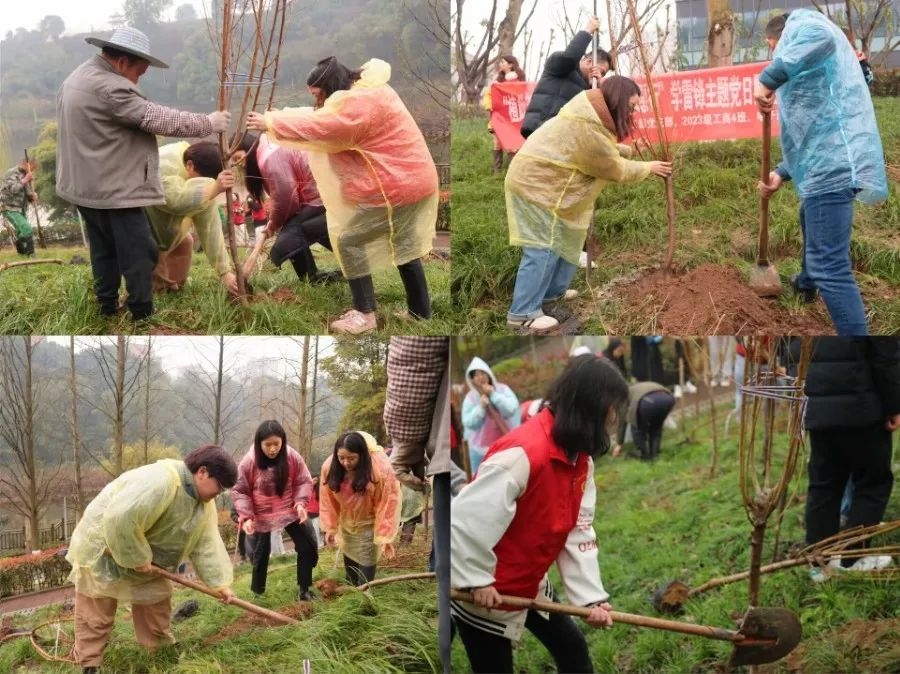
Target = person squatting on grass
(376,177)
(551,186)
(489,411)
(530,505)
(273,490)
(16,192)
(831,150)
(649,404)
(107,162)
(508,70)
(160,514)
(192,177)
(359,504)
(853,408)
(296,213)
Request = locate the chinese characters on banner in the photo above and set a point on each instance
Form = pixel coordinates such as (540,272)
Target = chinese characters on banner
(509,100)
(710,104)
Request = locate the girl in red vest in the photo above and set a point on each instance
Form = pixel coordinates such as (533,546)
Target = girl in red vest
(530,505)
(273,490)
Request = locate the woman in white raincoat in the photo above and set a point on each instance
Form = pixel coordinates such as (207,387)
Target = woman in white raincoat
(159,514)
(551,186)
(359,504)
(376,177)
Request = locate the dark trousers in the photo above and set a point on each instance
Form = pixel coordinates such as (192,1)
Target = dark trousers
(439,562)
(121,244)
(356,573)
(304,537)
(413,276)
(560,635)
(840,453)
(306,227)
(652,411)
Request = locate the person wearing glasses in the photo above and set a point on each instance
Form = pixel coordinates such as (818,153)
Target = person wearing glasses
(158,515)
(273,490)
(551,186)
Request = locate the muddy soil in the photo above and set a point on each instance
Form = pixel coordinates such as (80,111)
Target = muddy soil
(299,611)
(716,300)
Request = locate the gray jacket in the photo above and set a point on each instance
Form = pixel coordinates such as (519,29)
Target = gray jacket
(106,155)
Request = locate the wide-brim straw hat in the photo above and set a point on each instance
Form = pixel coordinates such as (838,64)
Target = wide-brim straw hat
(129,40)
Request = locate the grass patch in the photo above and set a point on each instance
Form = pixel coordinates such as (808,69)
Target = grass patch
(670,520)
(394,632)
(717,208)
(59,300)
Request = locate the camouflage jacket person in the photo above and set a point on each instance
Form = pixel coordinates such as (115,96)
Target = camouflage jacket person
(16,189)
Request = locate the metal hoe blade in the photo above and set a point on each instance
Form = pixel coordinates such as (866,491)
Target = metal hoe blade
(768,634)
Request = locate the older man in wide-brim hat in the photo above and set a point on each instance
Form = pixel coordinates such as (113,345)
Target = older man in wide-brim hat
(107,162)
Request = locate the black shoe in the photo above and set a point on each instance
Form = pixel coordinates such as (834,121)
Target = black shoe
(808,295)
(306,595)
(90,670)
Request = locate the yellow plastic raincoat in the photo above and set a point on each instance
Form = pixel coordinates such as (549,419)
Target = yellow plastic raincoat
(553,181)
(184,206)
(362,522)
(149,514)
(375,174)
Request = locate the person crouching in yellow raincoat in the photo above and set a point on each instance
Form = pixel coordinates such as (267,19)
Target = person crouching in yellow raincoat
(551,186)
(359,504)
(376,178)
(159,514)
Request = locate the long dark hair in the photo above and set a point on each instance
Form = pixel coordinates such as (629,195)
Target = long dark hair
(580,400)
(253,179)
(356,443)
(514,62)
(617,92)
(266,430)
(330,75)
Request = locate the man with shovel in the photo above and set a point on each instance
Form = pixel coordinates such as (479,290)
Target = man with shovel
(16,192)
(831,150)
(158,515)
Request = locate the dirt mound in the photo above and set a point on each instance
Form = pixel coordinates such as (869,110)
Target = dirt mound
(300,611)
(714,300)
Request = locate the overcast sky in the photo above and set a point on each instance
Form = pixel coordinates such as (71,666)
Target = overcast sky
(79,17)
(178,353)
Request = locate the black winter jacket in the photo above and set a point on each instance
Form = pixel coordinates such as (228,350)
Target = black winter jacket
(852,382)
(560,82)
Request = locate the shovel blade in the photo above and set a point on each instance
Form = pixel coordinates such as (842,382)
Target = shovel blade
(764,280)
(769,635)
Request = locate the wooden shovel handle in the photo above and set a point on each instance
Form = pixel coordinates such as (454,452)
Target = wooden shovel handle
(763,254)
(246,605)
(618,617)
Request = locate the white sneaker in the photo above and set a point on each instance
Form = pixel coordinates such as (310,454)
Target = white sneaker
(872,563)
(535,325)
(571,294)
(354,322)
(818,574)
(670,423)
(689,387)
(677,391)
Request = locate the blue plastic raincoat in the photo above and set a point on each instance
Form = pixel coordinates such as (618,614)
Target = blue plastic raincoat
(829,136)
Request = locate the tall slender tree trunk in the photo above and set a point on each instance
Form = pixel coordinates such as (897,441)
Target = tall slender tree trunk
(76,447)
(315,390)
(147,406)
(217,421)
(119,423)
(303,434)
(33,514)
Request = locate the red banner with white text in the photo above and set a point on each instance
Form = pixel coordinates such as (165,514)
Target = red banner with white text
(710,104)
(509,100)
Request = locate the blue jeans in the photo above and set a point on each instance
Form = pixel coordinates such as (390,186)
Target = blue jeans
(543,276)
(826,221)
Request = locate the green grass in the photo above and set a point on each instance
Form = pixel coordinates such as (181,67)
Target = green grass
(717,214)
(59,300)
(394,632)
(669,520)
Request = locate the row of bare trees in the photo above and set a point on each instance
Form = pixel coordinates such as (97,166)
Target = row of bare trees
(128,393)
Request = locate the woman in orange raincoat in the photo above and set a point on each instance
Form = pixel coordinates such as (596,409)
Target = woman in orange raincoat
(376,177)
(359,504)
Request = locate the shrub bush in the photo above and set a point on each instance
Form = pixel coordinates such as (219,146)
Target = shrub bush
(887,82)
(31,572)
